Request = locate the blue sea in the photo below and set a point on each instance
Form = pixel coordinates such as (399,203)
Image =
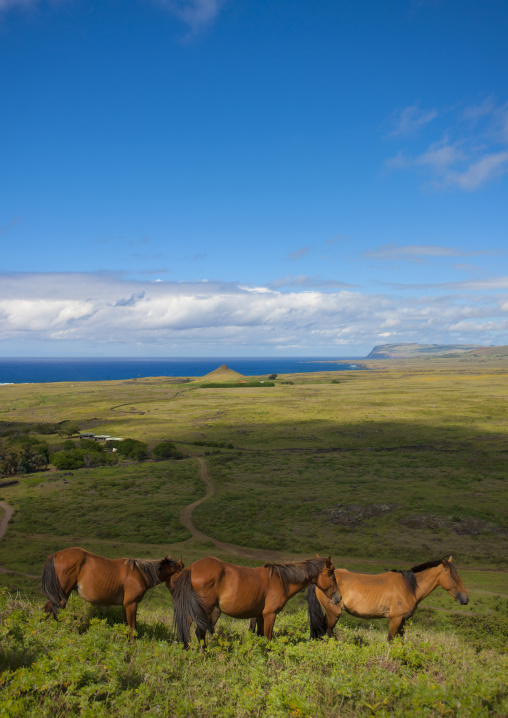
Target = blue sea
(41,370)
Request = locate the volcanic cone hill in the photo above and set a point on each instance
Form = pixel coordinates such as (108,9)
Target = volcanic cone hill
(223,373)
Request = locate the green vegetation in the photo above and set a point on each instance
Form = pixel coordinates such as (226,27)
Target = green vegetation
(85,666)
(390,467)
(167,450)
(239,385)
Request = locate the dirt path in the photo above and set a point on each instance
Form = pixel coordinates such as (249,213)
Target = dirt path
(6,518)
(267,554)
(8,511)
(186,520)
(233,549)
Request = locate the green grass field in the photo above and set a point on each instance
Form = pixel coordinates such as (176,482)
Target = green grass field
(389,467)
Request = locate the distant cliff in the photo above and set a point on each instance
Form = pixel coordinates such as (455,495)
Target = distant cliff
(408,351)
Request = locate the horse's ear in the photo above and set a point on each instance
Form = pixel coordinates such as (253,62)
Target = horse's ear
(317,555)
(329,561)
(450,559)
(180,563)
(168,557)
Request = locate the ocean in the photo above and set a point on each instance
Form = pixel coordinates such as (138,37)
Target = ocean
(43,370)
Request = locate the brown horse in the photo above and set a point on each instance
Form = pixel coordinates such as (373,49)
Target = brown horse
(394,595)
(102,581)
(210,586)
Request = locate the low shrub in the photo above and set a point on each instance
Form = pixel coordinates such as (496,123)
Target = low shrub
(68,459)
(133,449)
(167,450)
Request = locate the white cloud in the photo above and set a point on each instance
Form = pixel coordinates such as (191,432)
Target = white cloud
(105,310)
(304,281)
(471,152)
(416,252)
(478,172)
(411,119)
(197,14)
(299,253)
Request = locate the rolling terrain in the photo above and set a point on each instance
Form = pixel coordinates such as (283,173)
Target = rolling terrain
(383,468)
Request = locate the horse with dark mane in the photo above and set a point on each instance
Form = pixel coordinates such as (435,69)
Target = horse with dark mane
(210,586)
(103,581)
(394,595)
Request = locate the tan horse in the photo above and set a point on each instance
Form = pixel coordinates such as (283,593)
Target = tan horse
(394,595)
(102,581)
(210,586)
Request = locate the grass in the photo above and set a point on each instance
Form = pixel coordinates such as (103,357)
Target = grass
(390,467)
(85,666)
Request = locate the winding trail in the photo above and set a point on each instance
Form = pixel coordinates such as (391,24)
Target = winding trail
(267,554)
(233,549)
(3,528)
(186,520)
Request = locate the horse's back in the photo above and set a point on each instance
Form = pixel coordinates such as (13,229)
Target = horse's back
(371,595)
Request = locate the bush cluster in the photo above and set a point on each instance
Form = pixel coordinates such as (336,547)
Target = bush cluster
(133,449)
(23,459)
(167,450)
(214,444)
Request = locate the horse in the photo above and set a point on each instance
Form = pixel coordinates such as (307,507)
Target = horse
(102,581)
(210,587)
(394,595)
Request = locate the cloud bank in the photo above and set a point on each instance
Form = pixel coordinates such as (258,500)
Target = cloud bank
(104,310)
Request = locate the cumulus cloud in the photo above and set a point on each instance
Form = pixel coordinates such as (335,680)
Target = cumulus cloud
(98,310)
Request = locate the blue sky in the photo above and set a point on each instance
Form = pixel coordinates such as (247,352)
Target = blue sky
(244,177)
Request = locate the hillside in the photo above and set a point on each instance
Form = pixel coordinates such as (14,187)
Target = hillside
(386,469)
(221,374)
(408,351)
(491,352)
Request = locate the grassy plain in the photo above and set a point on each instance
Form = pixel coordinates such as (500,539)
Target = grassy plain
(387,468)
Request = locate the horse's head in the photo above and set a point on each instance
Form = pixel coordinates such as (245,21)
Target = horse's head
(169,568)
(328,583)
(450,580)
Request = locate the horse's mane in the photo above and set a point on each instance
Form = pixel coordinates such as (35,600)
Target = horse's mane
(409,575)
(432,564)
(298,571)
(409,579)
(149,568)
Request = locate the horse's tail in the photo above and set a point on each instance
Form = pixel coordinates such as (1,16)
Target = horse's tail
(317,618)
(188,607)
(50,585)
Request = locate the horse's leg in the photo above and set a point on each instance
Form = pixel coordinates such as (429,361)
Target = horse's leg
(201,636)
(130,611)
(256,622)
(333,614)
(268,620)
(396,623)
(402,628)
(47,609)
(261,625)
(215,616)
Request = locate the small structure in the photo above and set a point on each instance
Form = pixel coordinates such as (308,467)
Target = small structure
(84,435)
(101,437)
